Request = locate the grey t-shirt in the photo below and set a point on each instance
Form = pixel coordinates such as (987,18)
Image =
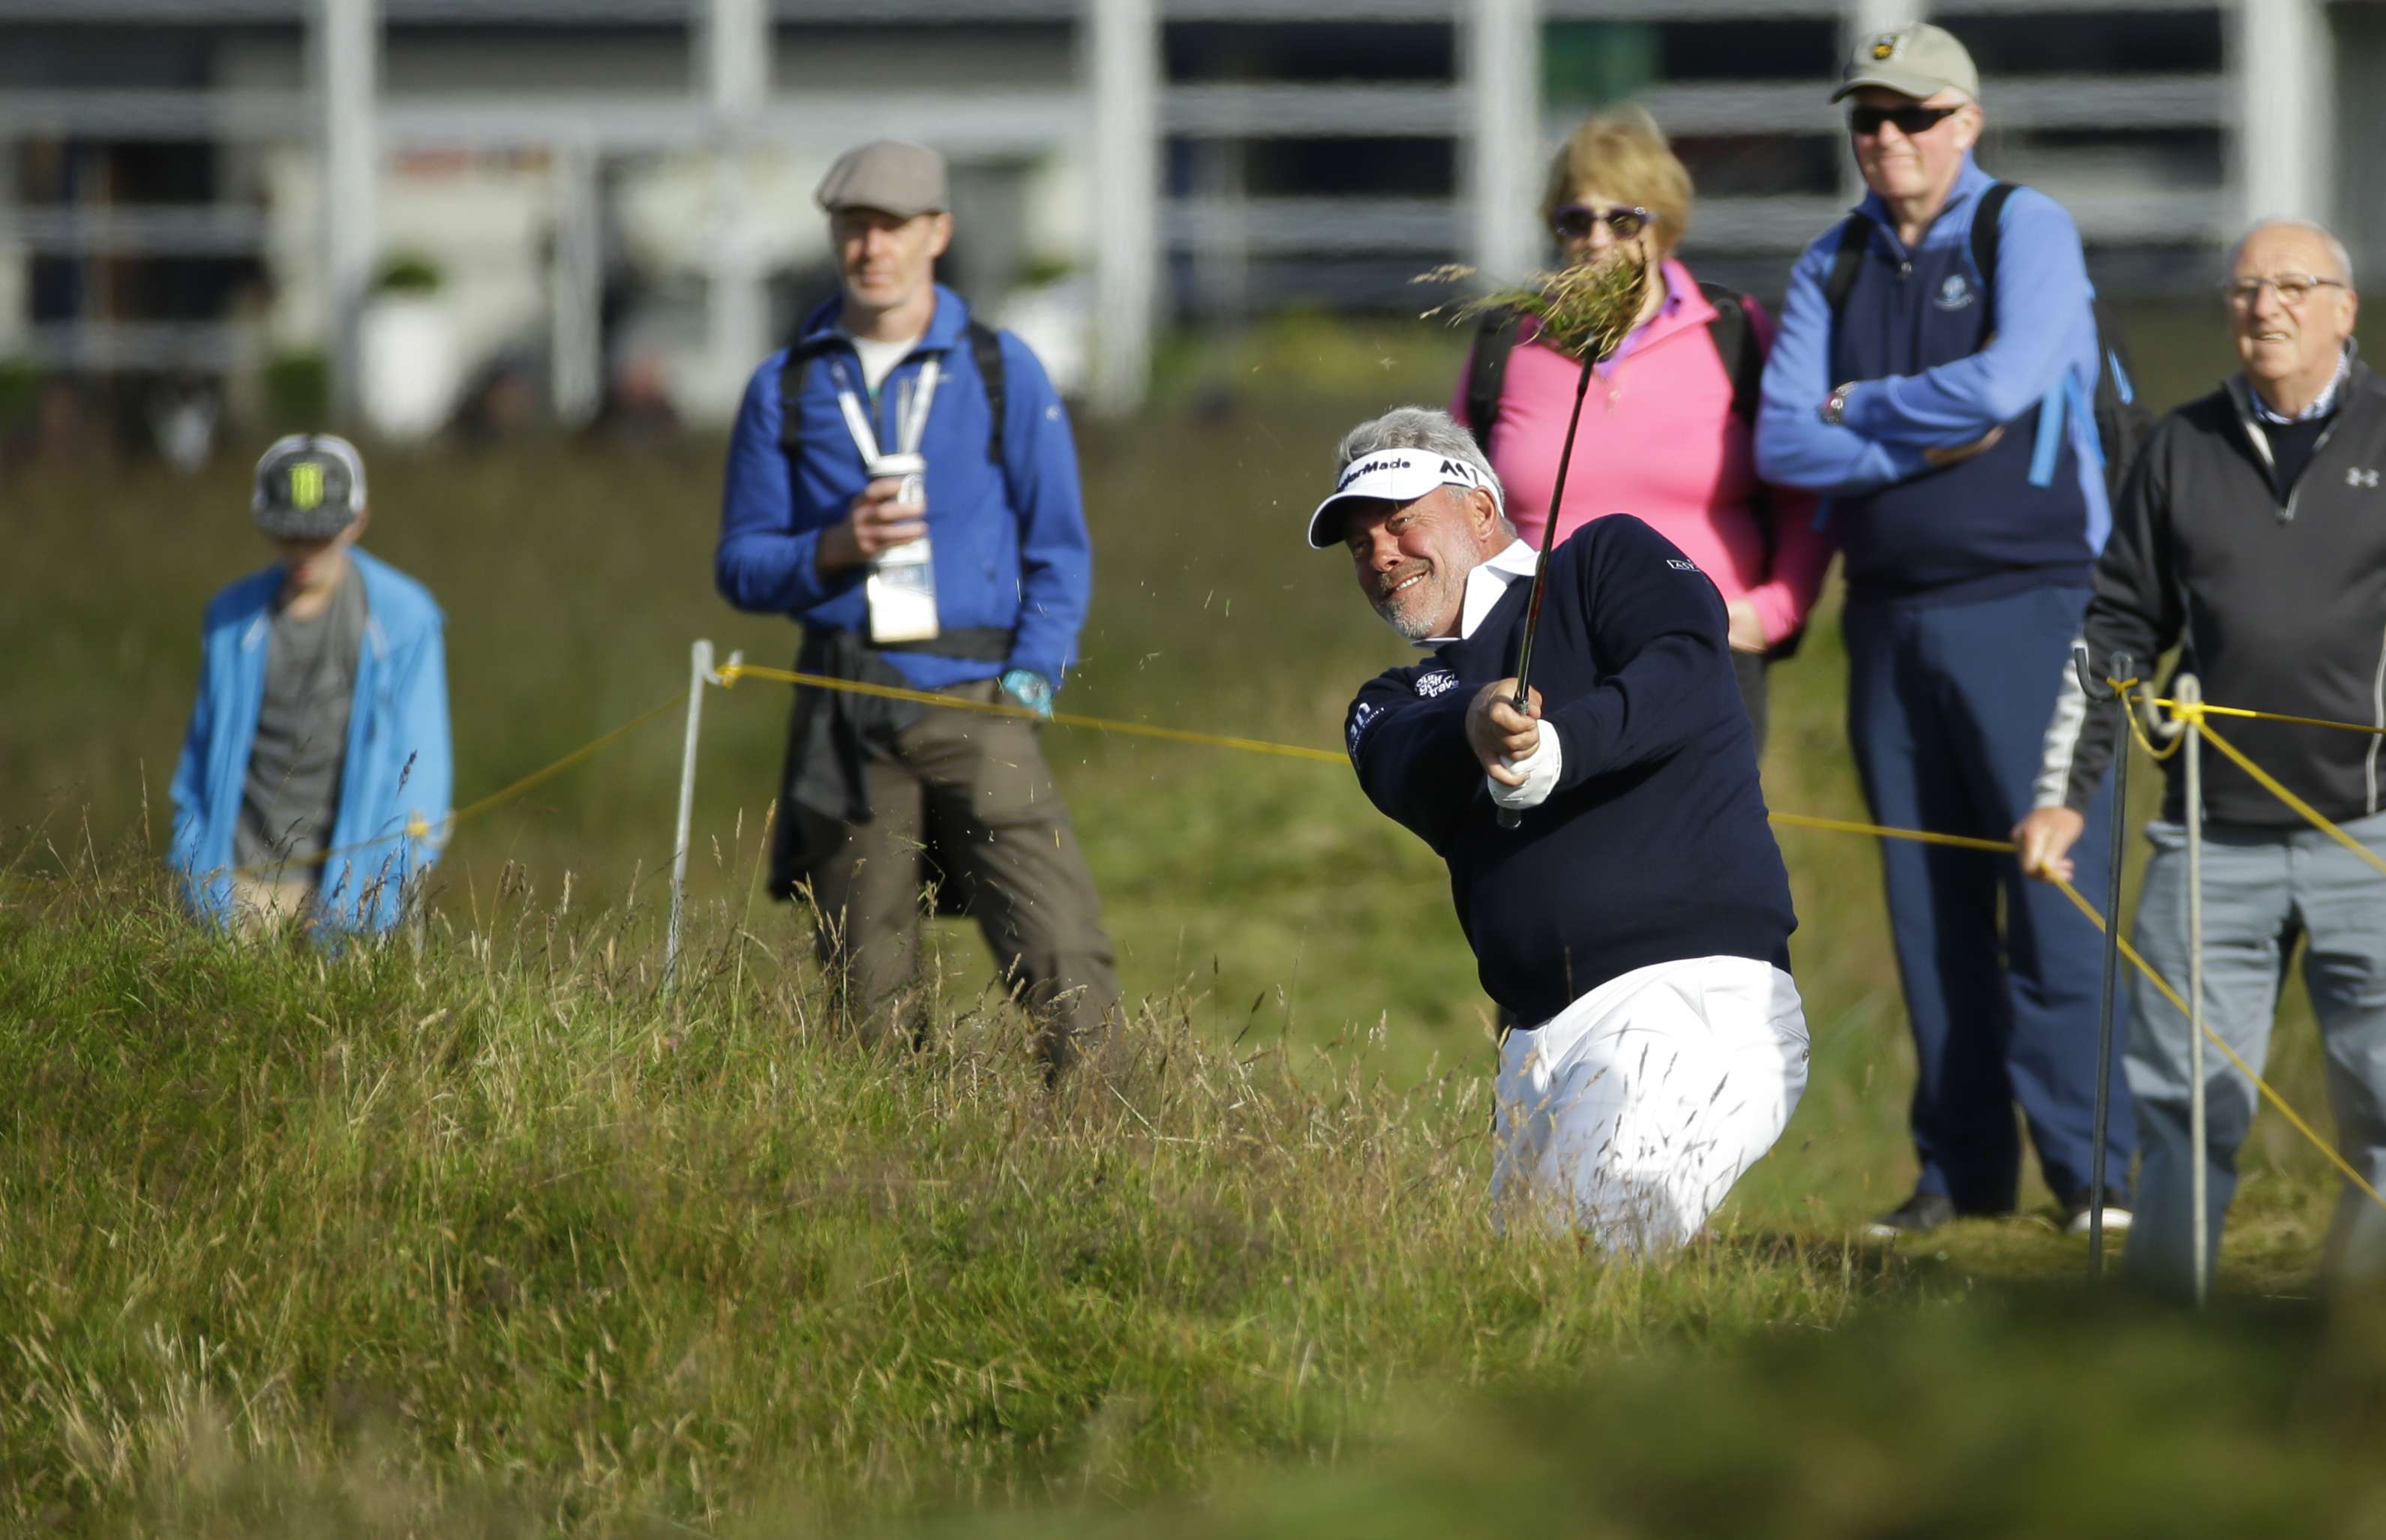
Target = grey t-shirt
(293,791)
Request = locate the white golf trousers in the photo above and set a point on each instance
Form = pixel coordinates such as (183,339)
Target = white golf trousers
(1630,1113)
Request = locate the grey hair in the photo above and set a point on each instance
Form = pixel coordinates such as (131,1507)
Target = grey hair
(1425,428)
(2335,247)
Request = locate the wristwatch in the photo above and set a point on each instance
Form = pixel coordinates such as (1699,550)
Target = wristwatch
(1836,405)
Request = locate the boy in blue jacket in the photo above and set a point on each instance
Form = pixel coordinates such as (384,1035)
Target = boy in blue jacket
(315,773)
(1635,924)
(1945,415)
(902,484)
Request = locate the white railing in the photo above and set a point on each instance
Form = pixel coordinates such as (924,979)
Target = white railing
(1121,109)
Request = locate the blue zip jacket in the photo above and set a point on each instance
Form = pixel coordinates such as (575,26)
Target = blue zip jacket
(400,770)
(2041,359)
(1007,541)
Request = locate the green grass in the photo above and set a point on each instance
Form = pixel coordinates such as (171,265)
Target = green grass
(491,1239)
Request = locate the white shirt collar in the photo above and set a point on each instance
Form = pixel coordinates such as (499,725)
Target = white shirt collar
(2325,404)
(1486,585)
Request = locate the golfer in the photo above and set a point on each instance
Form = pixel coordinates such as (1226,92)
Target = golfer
(1637,921)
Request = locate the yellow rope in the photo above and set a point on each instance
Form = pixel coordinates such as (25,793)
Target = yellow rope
(1920,836)
(2270,783)
(2293,1116)
(731,673)
(2211,710)
(538,776)
(422,829)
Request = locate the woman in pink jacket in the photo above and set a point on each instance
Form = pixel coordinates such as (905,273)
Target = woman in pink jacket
(1667,428)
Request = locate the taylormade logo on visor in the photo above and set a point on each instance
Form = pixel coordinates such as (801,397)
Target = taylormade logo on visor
(1443,469)
(1394,476)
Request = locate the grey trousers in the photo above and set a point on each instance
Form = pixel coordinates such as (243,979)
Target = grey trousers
(2263,889)
(1021,875)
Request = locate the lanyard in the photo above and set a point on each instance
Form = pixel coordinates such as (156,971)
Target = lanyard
(911,411)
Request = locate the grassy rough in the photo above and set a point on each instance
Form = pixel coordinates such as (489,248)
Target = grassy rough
(490,1240)
(491,1223)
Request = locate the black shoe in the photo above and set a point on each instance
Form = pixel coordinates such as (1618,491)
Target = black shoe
(1917,1216)
(2117,1212)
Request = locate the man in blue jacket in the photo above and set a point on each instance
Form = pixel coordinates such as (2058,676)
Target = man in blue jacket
(1636,923)
(315,777)
(1948,423)
(902,484)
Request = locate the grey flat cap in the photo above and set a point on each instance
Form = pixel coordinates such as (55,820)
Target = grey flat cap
(891,175)
(1917,60)
(310,486)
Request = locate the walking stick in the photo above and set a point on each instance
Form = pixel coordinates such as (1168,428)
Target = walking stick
(2098,690)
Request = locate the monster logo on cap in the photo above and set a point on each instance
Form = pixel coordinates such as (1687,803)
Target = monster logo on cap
(305,485)
(310,486)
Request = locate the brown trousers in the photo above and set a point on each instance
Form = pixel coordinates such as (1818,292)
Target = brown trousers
(1007,841)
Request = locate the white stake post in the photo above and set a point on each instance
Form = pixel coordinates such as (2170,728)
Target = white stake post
(2189,691)
(699,674)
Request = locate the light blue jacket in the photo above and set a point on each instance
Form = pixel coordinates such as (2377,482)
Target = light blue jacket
(400,770)
(2044,353)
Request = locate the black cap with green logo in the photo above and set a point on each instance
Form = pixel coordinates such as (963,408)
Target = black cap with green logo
(310,486)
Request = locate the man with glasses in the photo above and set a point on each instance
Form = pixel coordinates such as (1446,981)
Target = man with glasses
(2253,533)
(1945,416)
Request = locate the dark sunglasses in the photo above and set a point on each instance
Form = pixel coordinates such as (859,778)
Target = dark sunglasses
(1911,121)
(1574,221)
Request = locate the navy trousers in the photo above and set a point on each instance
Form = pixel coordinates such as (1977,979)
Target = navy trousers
(1947,711)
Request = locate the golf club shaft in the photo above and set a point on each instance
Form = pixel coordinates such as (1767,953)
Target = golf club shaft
(1509,816)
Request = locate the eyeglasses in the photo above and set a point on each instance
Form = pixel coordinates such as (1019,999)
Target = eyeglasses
(2294,289)
(1574,221)
(1911,121)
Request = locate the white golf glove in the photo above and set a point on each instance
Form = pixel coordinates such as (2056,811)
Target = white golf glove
(1541,766)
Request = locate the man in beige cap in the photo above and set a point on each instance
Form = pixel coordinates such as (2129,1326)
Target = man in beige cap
(902,484)
(1936,380)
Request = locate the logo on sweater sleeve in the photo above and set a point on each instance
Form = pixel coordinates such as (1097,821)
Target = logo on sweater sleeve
(1436,681)
(1361,717)
(1681,564)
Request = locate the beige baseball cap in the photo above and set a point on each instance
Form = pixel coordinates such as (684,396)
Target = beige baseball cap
(1917,60)
(891,175)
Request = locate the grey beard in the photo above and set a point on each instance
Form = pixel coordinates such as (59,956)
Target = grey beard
(1412,628)
(1415,624)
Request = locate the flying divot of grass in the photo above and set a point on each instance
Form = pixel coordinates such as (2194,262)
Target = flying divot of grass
(1585,311)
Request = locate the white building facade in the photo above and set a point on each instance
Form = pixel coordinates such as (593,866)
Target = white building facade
(583,186)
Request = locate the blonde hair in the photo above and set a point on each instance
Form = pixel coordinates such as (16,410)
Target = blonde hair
(1622,153)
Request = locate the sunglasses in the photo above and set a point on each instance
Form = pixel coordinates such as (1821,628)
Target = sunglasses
(1911,121)
(1574,221)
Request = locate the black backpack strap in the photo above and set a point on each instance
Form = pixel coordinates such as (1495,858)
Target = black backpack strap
(793,376)
(985,348)
(1735,343)
(1487,374)
(1847,260)
(1986,233)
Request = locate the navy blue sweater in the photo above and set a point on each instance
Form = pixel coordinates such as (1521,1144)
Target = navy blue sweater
(1654,846)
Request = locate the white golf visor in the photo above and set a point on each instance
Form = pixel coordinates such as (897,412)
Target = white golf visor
(1390,476)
